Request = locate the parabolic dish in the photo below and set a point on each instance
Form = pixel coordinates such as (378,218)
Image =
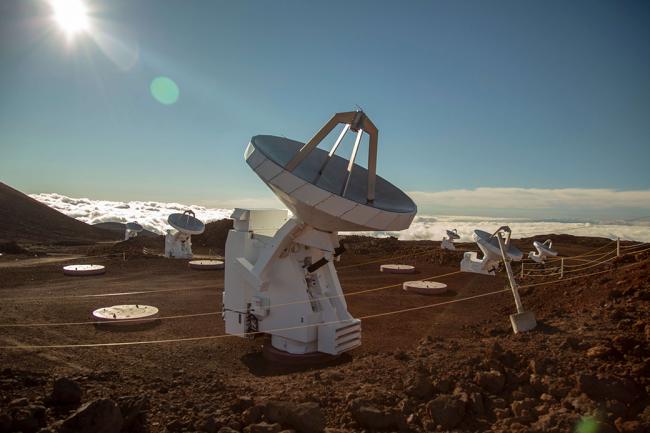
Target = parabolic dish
(135,227)
(81,270)
(316,198)
(207,265)
(452,234)
(397,269)
(186,223)
(541,247)
(492,244)
(425,287)
(126,314)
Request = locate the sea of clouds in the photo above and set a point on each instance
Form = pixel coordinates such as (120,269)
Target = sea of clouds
(153,216)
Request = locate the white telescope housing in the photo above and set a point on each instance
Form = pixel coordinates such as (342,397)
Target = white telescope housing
(132,230)
(448,242)
(544,250)
(489,246)
(280,277)
(178,242)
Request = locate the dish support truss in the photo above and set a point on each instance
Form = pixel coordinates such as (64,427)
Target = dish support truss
(358,122)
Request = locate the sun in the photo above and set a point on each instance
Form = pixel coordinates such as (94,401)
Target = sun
(70,15)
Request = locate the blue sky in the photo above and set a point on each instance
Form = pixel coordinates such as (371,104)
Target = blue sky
(537,96)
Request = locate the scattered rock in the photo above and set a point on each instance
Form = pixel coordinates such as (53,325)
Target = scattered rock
(98,416)
(599,351)
(304,417)
(492,381)
(66,391)
(375,418)
(446,410)
(27,419)
(601,389)
(133,410)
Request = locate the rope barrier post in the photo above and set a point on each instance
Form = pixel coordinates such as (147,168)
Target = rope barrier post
(521,321)
(124,256)
(562,268)
(522,270)
(618,247)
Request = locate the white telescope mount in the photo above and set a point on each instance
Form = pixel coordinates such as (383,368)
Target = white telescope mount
(178,241)
(448,241)
(280,277)
(544,250)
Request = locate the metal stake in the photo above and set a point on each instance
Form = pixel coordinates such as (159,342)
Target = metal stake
(511,278)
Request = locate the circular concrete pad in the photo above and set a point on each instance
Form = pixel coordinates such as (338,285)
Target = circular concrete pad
(207,265)
(425,287)
(126,314)
(397,269)
(81,270)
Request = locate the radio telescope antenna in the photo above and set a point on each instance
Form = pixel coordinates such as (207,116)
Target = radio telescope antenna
(178,242)
(279,270)
(448,242)
(131,230)
(544,250)
(489,246)
(495,248)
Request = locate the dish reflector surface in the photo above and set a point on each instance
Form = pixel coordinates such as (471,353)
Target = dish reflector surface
(544,248)
(452,234)
(492,244)
(134,227)
(316,198)
(187,223)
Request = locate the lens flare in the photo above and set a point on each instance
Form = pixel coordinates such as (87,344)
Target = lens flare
(164,90)
(70,15)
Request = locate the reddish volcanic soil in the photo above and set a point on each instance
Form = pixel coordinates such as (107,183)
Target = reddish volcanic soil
(455,366)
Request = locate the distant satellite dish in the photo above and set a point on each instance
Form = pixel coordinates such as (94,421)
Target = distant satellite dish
(131,230)
(279,271)
(84,270)
(544,250)
(178,244)
(489,245)
(448,242)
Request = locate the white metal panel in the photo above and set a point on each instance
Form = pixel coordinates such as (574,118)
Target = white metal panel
(255,159)
(310,194)
(287,182)
(336,206)
(268,170)
(382,220)
(360,214)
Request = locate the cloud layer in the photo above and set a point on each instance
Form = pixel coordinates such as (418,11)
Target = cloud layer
(537,201)
(153,216)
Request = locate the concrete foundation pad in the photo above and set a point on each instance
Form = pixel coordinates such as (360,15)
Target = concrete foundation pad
(206,265)
(397,269)
(522,322)
(425,287)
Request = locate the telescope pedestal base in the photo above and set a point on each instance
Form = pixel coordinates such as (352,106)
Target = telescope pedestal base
(523,322)
(278,356)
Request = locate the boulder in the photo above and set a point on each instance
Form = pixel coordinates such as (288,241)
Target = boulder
(304,417)
(133,410)
(604,388)
(98,416)
(446,410)
(27,419)
(492,381)
(374,418)
(66,391)
(420,386)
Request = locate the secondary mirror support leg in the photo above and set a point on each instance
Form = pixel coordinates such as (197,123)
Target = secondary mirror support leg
(522,320)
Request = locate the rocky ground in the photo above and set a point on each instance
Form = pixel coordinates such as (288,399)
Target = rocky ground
(459,368)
